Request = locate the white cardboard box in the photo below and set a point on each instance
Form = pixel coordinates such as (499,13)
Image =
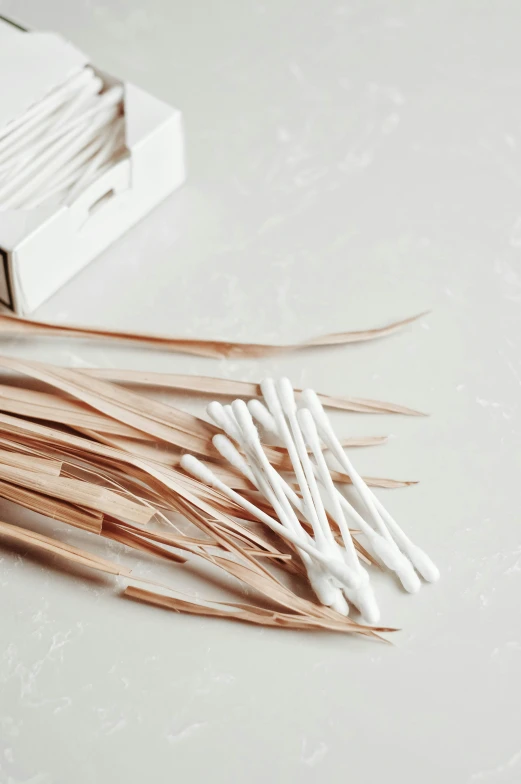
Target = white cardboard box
(42,248)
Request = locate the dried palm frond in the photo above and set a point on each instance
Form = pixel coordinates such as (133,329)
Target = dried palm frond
(224,387)
(13,325)
(89,452)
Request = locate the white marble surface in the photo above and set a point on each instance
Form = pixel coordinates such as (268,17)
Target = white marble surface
(350,162)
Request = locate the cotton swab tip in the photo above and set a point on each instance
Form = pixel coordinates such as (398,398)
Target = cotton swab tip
(408,577)
(325,590)
(387,552)
(227,450)
(423,564)
(339,604)
(223,419)
(263,416)
(269,394)
(312,402)
(343,574)
(287,396)
(308,427)
(197,469)
(216,413)
(366,602)
(244,421)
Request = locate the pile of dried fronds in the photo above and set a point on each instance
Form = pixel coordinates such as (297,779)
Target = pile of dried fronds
(85,448)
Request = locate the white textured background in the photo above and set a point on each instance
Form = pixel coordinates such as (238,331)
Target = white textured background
(349,163)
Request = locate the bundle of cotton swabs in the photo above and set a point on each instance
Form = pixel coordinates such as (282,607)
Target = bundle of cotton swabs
(302,516)
(60,144)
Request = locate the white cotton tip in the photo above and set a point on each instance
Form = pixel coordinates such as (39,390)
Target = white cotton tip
(408,577)
(227,450)
(263,416)
(346,576)
(339,604)
(223,418)
(287,396)
(321,584)
(364,576)
(217,414)
(197,469)
(269,393)
(327,593)
(245,422)
(230,416)
(309,429)
(423,564)
(312,402)
(387,552)
(365,601)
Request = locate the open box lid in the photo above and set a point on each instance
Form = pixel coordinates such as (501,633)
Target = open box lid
(37,63)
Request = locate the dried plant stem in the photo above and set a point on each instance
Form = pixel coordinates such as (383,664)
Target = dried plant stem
(13,325)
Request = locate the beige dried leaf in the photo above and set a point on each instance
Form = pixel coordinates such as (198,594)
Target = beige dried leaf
(11,324)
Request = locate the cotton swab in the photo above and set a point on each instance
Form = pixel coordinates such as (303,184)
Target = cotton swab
(363,597)
(78,171)
(227,450)
(280,407)
(219,416)
(235,458)
(327,593)
(248,438)
(98,164)
(307,510)
(264,475)
(384,549)
(61,139)
(289,407)
(310,434)
(237,421)
(250,442)
(58,154)
(418,557)
(301,432)
(270,395)
(201,471)
(263,417)
(332,442)
(399,564)
(392,556)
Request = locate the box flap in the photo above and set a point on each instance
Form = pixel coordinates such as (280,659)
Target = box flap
(36,64)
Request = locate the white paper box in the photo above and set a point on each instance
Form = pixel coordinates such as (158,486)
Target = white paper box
(42,248)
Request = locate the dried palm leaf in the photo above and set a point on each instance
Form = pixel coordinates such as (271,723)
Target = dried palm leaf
(154,420)
(39,464)
(220,529)
(10,324)
(73,514)
(224,387)
(252,614)
(56,547)
(91,453)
